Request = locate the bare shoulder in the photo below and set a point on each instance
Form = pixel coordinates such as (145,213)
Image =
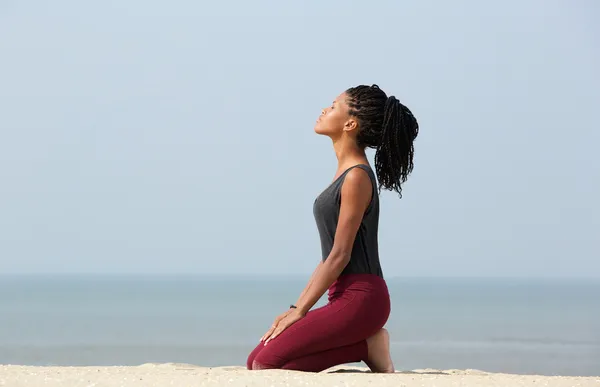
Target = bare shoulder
(357,186)
(357,177)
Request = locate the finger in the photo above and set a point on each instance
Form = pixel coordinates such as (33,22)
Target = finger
(277,332)
(269,332)
(268,338)
(265,334)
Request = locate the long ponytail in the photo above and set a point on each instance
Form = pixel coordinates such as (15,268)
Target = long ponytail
(388,126)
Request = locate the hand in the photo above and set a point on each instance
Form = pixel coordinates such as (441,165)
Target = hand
(275,323)
(291,317)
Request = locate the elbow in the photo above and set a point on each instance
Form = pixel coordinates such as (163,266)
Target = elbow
(339,259)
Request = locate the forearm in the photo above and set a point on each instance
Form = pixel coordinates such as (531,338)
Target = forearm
(310,281)
(329,271)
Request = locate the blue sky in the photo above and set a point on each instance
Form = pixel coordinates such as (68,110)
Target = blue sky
(154,137)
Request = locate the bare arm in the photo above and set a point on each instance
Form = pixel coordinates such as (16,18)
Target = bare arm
(310,281)
(355,197)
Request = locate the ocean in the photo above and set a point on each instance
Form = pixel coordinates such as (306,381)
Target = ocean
(525,326)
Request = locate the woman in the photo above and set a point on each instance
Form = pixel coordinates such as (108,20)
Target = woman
(350,327)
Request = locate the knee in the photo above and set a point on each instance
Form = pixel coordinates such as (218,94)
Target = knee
(250,360)
(256,365)
(266,361)
(259,348)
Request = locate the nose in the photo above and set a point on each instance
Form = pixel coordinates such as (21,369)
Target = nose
(322,111)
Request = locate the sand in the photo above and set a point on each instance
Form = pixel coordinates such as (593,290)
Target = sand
(171,374)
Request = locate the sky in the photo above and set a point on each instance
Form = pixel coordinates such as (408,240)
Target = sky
(148,137)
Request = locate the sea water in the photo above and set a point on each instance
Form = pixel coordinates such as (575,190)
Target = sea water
(541,326)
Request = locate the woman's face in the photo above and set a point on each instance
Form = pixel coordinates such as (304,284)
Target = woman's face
(335,118)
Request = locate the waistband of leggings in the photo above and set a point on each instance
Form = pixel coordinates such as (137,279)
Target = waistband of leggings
(358,282)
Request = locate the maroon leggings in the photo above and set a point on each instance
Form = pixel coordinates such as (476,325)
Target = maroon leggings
(359,305)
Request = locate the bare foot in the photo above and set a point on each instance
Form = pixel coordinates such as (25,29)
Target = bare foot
(380,360)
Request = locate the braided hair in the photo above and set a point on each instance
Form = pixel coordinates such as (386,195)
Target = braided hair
(388,126)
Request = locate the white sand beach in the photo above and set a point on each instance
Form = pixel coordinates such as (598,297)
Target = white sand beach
(171,374)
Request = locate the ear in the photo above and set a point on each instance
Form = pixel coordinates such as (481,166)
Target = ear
(351,125)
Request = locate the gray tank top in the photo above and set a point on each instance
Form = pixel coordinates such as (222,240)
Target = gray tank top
(326,209)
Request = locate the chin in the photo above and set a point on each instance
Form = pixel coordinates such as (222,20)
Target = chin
(320,130)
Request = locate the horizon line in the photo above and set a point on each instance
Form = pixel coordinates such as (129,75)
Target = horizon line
(280,275)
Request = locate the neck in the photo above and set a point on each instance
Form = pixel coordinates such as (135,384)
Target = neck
(347,152)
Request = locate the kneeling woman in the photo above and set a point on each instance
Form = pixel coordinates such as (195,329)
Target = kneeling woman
(349,328)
